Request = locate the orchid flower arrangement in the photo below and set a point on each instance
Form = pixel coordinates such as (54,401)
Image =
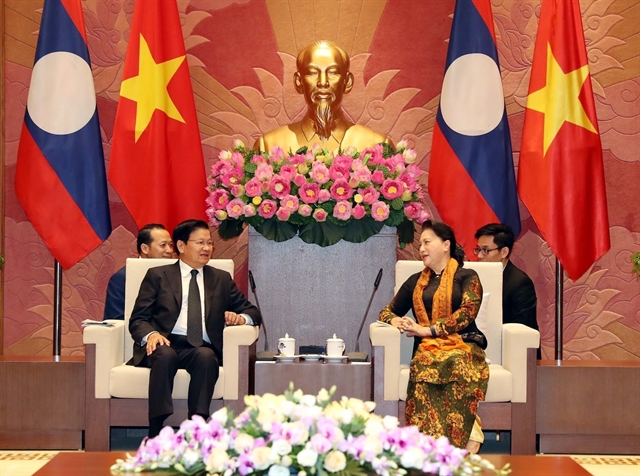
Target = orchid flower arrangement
(321,196)
(283,435)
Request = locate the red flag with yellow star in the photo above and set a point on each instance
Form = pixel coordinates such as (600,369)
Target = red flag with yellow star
(157,165)
(561,173)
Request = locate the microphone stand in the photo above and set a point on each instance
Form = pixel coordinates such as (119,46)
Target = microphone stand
(265,354)
(358,356)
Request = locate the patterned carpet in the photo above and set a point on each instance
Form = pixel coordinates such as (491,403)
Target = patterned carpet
(26,463)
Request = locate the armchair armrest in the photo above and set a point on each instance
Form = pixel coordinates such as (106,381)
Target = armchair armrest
(516,339)
(233,337)
(388,337)
(109,342)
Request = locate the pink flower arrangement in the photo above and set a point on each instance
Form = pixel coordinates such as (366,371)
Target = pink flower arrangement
(293,191)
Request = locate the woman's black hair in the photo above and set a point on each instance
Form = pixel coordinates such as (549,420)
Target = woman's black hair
(445,232)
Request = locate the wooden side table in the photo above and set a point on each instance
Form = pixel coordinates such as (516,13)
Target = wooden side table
(351,379)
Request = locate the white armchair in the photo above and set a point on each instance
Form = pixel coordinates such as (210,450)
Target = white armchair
(117,394)
(511,352)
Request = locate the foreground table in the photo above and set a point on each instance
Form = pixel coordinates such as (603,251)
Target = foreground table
(98,464)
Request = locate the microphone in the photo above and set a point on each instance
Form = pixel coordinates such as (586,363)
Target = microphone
(358,356)
(265,354)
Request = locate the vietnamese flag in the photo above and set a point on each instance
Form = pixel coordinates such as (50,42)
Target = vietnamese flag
(157,165)
(561,173)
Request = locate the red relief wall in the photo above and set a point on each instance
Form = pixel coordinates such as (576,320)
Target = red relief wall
(242,57)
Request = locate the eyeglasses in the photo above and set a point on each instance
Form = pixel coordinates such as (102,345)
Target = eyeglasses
(202,244)
(485,251)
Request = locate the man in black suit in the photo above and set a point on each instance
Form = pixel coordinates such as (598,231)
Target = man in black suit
(178,319)
(154,241)
(495,242)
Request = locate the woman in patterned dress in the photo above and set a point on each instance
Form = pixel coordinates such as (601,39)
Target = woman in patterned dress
(448,377)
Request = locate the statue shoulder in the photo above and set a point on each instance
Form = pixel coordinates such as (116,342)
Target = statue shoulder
(284,136)
(362,137)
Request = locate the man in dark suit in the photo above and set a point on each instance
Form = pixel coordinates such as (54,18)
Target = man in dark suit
(178,319)
(495,242)
(154,241)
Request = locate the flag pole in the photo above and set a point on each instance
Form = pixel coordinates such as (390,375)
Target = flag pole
(559,308)
(57,309)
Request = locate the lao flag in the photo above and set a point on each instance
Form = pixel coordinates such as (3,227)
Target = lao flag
(60,174)
(471,177)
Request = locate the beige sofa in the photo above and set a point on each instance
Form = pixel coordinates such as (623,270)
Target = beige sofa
(511,352)
(116,393)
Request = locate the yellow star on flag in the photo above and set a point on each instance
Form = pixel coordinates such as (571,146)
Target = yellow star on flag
(149,88)
(559,99)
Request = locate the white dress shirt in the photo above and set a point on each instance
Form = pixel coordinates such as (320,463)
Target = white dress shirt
(181,324)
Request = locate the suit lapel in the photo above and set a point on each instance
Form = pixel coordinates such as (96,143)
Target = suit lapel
(210,283)
(175,281)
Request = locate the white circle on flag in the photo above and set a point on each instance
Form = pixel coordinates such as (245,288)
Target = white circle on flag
(62,98)
(472,102)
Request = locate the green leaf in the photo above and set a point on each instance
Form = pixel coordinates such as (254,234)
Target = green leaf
(276,230)
(297,219)
(230,228)
(397,204)
(336,221)
(405,231)
(250,168)
(328,206)
(322,234)
(302,150)
(358,231)
(395,217)
(255,221)
(387,150)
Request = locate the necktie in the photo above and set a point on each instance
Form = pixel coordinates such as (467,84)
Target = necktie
(194,312)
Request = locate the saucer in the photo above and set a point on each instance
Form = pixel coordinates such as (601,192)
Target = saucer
(336,360)
(286,358)
(311,357)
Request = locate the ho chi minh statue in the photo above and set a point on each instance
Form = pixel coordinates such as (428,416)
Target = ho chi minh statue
(323,77)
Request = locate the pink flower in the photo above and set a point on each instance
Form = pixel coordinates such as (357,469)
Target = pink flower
(237,190)
(414,171)
(343,161)
(249,210)
(258,159)
(276,153)
(377,176)
(392,189)
(237,160)
(299,180)
(231,178)
(424,216)
(290,203)
(280,187)
(309,192)
(221,167)
(338,172)
(297,159)
(409,156)
(323,196)
(358,212)
(253,188)
(413,210)
(320,214)
(340,190)
(267,208)
(235,207)
(264,172)
(374,155)
(342,210)
(380,211)
(409,182)
(288,172)
(361,175)
(305,210)
(369,195)
(218,199)
(319,173)
(283,214)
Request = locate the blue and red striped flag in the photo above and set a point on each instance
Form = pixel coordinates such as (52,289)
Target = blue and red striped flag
(471,176)
(60,174)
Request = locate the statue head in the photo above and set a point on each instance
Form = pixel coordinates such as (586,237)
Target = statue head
(323,77)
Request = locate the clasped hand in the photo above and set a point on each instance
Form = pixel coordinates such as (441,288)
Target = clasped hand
(410,327)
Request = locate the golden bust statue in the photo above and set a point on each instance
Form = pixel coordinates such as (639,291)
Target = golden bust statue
(323,77)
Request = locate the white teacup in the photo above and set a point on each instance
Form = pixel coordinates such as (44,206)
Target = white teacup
(335,347)
(287,346)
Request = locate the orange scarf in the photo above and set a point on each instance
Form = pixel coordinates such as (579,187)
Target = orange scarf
(440,309)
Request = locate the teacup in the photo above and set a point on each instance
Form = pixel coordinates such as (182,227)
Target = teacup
(335,347)
(287,346)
